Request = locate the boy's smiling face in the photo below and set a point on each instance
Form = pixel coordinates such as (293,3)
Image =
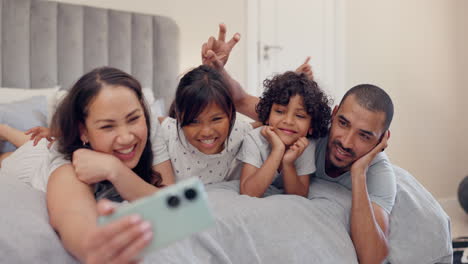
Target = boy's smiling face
(291,121)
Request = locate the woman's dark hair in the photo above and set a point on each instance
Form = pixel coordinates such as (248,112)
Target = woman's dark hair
(196,90)
(73,111)
(282,87)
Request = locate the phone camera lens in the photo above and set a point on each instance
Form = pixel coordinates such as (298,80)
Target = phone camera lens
(173,201)
(190,194)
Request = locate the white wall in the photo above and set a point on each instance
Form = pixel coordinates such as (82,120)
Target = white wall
(462,74)
(412,49)
(197,21)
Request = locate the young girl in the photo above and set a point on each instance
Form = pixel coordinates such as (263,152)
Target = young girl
(204,138)
(292,108)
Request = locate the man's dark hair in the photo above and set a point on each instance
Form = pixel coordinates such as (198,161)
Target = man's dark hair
(374,99)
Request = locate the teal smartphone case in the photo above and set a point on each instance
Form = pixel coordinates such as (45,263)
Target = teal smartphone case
(174,212)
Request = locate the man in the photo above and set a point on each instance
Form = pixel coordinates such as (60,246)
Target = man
(351,155)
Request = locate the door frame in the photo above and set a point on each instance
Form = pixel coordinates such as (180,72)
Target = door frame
(336,45)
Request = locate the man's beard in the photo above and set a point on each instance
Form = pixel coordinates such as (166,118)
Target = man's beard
(332,166)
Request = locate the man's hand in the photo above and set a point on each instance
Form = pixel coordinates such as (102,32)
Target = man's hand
(360,166)
(306,69)
(295,151)
(215,52)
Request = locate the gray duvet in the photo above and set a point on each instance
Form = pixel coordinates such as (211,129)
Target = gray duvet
(275,229)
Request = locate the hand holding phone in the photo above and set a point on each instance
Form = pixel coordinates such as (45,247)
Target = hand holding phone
(174,212)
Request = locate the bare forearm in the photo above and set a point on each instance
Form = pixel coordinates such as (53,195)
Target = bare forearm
(130,186)
(73,230)
(72,209)
(244,102)
(368,238)
(258,183)
(13,135)
(292,184)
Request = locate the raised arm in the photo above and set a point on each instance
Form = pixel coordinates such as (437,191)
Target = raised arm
(73,214)
(215,53)
(369,222)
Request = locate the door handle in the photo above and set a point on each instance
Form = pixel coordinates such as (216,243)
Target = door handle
(267,48)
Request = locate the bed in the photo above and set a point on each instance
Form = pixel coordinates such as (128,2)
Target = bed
(46,46)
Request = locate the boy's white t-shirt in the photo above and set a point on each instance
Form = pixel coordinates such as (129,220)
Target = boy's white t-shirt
(256,149)
(169,143)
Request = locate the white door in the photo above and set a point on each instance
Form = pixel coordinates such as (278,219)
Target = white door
(288,31)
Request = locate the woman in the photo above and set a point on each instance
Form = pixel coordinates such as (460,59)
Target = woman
(103,150)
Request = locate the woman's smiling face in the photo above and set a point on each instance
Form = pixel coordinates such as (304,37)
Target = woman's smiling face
(116,124)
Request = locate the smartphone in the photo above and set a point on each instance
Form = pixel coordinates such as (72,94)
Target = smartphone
(175,212)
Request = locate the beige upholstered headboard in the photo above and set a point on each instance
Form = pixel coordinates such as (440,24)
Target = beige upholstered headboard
(44,44)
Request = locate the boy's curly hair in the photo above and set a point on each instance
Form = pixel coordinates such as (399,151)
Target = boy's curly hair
(282,87)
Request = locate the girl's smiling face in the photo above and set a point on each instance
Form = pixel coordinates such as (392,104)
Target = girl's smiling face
(291,121)
(116,124)
(209,130)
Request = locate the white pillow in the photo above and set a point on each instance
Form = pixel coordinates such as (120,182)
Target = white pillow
(158,108)
(10,95)
(149,95)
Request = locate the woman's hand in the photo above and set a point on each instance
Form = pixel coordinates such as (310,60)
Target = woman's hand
(295,151)
(120,241)
(92,166)
(38,133)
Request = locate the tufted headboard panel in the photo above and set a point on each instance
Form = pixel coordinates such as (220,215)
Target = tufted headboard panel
(44,44)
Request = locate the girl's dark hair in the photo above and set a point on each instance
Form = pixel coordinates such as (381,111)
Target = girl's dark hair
(73,111)
(282,87)
(196,90)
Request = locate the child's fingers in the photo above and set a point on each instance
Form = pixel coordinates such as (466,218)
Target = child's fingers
(294,148)
(303,142)
(36,140)
(307,60)
(31,130)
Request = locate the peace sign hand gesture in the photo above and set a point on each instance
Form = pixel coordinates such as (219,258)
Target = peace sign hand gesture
(215,52)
